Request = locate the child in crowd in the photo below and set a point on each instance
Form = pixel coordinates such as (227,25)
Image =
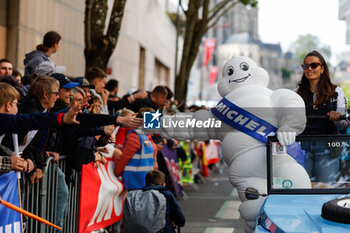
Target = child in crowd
(8,104)
(96,105)
(138,157)
(120,137)
(155,180)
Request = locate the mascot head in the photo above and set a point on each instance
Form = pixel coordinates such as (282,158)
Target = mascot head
(240,71)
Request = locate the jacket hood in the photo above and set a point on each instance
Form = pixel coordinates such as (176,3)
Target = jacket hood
(154,187)
(35,53)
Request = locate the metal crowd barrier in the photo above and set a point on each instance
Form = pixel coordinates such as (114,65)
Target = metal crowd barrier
(41,199)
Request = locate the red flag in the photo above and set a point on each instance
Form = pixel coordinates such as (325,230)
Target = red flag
(212,152)
(204,164)
(101,196)
(209,46)
(213,73)
(120,136)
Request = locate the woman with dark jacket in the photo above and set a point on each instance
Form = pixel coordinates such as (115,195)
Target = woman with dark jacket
(322,98)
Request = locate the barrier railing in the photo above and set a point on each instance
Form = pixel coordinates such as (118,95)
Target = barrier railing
(41,199)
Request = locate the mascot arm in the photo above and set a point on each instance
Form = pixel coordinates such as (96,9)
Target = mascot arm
(290,112)
(174,127)
(209,128)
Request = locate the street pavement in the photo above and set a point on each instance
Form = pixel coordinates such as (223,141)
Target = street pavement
(212,206)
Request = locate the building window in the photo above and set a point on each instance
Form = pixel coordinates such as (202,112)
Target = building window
(161,73)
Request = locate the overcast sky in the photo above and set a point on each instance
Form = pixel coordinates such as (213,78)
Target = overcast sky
(282,21)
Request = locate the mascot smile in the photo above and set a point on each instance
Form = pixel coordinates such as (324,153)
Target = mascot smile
(251,112)
(239,80)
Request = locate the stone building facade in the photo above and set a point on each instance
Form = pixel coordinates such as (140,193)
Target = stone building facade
(144,56)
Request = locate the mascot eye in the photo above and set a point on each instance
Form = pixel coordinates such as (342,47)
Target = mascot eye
(244,66)
(230,70)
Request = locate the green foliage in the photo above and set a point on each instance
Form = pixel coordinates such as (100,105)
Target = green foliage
(253,3)
(286,73)
(182,23)
(306,43)
(199,16)
(172,17)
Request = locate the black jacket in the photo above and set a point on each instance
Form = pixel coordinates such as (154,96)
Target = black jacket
(140,103)
(114,106)
(35,149)
(320,126)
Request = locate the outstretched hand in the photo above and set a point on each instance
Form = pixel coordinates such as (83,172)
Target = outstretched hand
(130,121)
(70,116)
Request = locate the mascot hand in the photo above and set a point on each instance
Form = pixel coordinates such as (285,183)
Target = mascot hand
(286,136)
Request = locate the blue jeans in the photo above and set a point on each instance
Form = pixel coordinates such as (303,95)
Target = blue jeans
(62,198)
(320,166)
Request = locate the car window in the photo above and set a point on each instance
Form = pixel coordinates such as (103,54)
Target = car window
(314,164)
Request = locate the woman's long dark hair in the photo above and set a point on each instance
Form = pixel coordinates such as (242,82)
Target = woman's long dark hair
(325,88)
(49,40)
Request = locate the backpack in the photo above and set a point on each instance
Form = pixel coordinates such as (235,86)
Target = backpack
(144,212)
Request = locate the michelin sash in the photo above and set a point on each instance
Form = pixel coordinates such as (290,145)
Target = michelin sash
(243,120)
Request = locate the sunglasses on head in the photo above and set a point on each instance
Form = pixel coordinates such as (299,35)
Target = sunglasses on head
(313,65)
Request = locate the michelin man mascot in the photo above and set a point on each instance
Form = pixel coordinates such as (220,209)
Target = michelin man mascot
(250,112)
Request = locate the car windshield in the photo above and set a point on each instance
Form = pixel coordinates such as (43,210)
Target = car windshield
(313,165)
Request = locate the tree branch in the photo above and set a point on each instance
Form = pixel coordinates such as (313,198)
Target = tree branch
(217,8)
(115,23)
(190,32)
(205,11)
(218,16)
(87,24)
(98,18)
(182,7)
(199,31)
(202,24)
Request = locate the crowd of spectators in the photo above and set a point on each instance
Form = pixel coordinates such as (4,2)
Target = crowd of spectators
(57,115)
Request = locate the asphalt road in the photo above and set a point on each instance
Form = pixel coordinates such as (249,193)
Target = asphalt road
(213,207)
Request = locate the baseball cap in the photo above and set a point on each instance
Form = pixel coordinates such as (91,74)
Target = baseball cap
(83,82)
(48,68)
(64,81)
